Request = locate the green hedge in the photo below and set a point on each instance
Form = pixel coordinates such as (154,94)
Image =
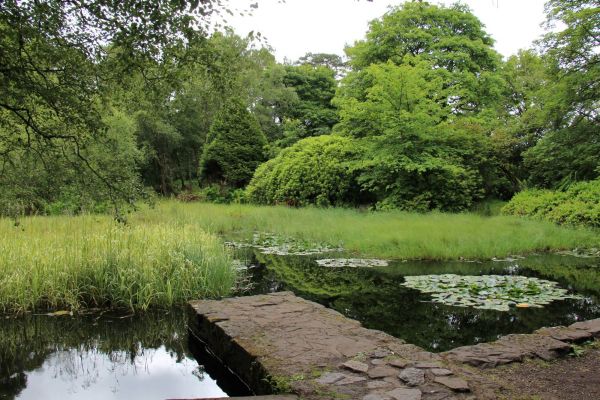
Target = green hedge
(578,205)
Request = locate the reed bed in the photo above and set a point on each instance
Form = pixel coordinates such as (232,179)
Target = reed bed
(390,234)
(90,261)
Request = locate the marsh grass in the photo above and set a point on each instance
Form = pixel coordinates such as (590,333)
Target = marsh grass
(171,253)
(393,234)
(91,261)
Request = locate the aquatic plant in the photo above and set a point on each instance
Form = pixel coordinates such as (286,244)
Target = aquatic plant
(75,262)
(269,243)
(492,292)
(351,262)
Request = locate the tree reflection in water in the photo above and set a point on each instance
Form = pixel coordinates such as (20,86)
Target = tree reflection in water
(100,356)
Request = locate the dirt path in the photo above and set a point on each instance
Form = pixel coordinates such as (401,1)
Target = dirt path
(571,378)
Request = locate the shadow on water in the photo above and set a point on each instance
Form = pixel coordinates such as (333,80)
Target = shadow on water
(101,356)
(376,298)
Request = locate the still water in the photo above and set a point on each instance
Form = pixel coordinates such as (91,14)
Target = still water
(148,356)
(101,356)
(376,297)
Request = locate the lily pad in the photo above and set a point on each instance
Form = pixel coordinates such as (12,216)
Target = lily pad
(492,292)
(268,243)
(352,262)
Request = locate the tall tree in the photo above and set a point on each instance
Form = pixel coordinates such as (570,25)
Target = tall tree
(423,93)
(235,146)
(568,152)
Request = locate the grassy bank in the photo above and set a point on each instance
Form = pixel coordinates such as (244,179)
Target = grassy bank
(382,234)
(88,261)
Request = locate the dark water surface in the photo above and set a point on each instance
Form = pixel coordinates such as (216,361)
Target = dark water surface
(375,296)
(101,356)
(149,356)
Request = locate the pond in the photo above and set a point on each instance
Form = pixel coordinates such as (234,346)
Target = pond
(106,356)
(380,296)
(102,355)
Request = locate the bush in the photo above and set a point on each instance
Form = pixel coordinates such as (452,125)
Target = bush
(578,205)
(318,170)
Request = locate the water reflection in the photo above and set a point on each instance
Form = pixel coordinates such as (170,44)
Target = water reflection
(376,297)
(100,357)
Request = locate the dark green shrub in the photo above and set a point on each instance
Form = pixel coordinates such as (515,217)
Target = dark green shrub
(578,205)
(235,147)
(318,170)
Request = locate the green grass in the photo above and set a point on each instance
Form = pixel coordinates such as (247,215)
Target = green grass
(89,261)
(391,234)
(169,254)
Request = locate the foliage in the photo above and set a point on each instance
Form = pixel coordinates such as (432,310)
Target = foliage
(565,155)
(52,182)
(491,292)
(577,205)
(451,39)
(313,171)
(332,61)
(59,65)
(416,158)
(315,87)
(235,146)
(74,262)
(568,105)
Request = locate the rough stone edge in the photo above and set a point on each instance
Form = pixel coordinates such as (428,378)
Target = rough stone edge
(575,333)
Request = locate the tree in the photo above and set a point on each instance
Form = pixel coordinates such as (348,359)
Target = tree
(315,87)
(569,149)
(59,59)
(331,61)
(416,159)
(450,39)
(235,146)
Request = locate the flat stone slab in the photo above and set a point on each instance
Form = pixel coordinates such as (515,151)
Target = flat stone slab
(592,326)
(281,340)
(508,349)
(564,334)
(412,376)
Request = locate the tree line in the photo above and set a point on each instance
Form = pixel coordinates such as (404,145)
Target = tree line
(128,100)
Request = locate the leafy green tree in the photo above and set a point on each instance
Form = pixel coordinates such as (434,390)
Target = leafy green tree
(450,39)
(568,151)
(235,146)
(565,155)
(331,61)
(57,66)
(418,158)
(160,140)
(315,87)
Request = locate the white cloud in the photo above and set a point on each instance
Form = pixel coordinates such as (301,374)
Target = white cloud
(295,27)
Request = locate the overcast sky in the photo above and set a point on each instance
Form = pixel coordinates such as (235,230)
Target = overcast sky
(296,27)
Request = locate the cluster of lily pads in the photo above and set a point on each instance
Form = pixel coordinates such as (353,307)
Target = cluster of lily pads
(492,292)
(582,253)
(268,243)
(351,262)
